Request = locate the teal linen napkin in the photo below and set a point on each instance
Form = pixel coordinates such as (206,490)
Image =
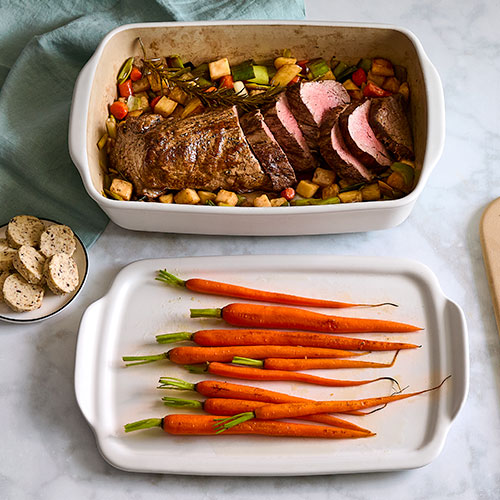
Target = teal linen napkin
(36,173)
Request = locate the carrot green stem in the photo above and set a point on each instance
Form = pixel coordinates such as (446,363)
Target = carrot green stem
(257,363)
(170,338)
(143,424)
(170,279)
(206,313)
(142,360)
(199,368)
(182,403)
(226,423)
(175,383)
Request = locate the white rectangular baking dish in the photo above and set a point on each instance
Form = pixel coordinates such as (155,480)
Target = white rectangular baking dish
(95,89)
(410,433)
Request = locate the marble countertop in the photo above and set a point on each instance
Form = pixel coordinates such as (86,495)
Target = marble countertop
(48,451)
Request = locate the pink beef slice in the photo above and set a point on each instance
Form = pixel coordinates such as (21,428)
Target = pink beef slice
(335,152)
(360,138)
(286,131)
(309,101)
(267,150)
(390,124)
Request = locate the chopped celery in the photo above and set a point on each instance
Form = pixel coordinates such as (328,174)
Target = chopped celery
(315,201)
(201,70)
(261,75)
(134,103)
(365,64)
(111,126)
(341,66)
(175,61)
(317,68)
(346,73)
(102,141)
(244,71)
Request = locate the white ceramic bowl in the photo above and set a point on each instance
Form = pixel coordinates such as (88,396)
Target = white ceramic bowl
(95,89)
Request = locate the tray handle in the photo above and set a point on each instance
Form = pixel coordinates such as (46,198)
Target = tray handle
(459,349)
(85,360)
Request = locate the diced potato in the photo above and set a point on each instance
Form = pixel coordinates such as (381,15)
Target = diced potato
(371,192)
(285,74)
(187,196)
(281,61)
(206,196)
(355,95)
(306,189)
(382,67)
(397,181)
(350,85)
(262,201)
(279,202)
(178,95)
(192,107)
(323,177)
(122,188)
(330,191)
(219,68)
(404,90)
(344,183)
(141,85)
(226,198)
(166,198)
(350,196)
(391,84)
(328,76)
(165,106)
(376,79)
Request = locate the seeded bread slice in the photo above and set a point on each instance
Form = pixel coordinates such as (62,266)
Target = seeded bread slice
(20,295)
(6,256)
(57,239)
(29,263)
(61,273)
(24,230)
(3,276)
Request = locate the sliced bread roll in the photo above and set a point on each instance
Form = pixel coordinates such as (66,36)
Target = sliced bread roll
(61,273)
(57,239)
(20,295)
(6,255)
(3,276)
(29,264)
(24,230)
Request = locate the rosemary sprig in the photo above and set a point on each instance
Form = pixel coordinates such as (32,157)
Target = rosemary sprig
(171,77)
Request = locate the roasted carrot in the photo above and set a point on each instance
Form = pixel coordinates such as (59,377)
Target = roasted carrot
(193,355)
(309,364)
(216,338)
(203,425)
(222,406)
(256,315)
(226,390)
(240,292)
(249,373)
(295,410)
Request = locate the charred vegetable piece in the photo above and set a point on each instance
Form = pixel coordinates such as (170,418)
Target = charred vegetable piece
(125,70)
(317,68)
(244,71)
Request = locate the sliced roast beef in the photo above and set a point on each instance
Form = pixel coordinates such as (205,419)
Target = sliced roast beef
(360,138)
(309,101)
(286,131)
(269,153)
(390,124)
(335,152)
(204,151)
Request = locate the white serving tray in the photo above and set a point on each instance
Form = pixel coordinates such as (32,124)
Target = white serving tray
(410,433)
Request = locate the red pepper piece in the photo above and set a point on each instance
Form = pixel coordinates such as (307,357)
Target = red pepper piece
(125,88)
(119,110)
(226,82)
(288,193)
(154,101)
(372,90)
(295,79)
(303,63)
(135,74)
(359,77)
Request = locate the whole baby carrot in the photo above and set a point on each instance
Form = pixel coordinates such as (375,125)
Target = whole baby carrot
(240,292)
(256,315)
(249,373)
(215,338)
(226,390)
(203,425)
(223,406)
(193,355)
(295,410)
(309,363)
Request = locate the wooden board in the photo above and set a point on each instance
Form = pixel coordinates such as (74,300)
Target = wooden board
(490,240)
